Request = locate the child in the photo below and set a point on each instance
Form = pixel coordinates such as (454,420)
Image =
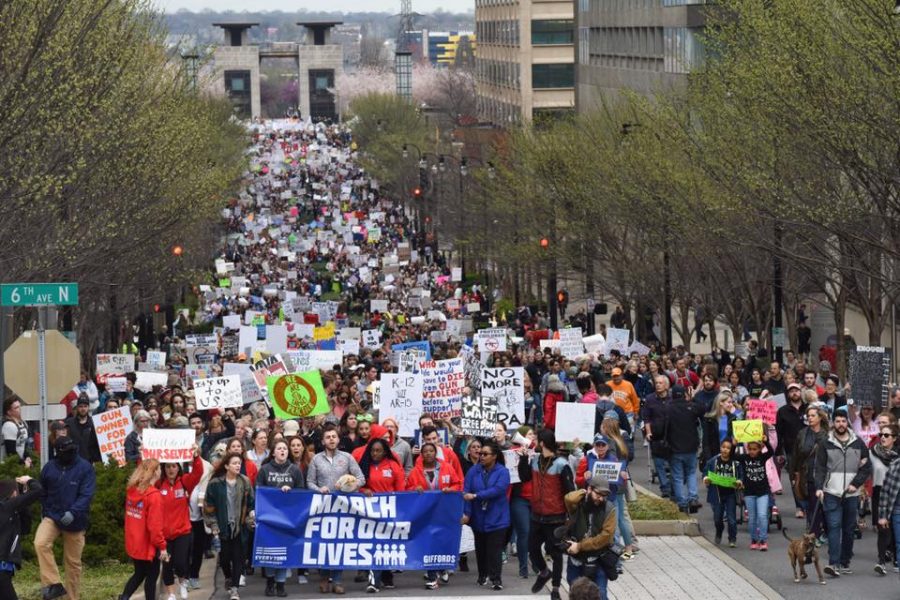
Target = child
(722,497)
(13,512)
(755,483)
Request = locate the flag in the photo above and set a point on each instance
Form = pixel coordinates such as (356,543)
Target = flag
(297,395)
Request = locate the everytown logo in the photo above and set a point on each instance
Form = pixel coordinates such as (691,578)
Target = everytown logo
(352,531)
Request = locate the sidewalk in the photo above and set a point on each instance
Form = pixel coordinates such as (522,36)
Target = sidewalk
(684,568)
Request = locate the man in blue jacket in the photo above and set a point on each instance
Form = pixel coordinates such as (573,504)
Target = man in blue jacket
(69,483)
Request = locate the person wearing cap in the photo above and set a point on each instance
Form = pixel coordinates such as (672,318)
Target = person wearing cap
(788,424)
(591,527)
(551,479)
(81,429)
(623,394)
(842,467)
(69,484)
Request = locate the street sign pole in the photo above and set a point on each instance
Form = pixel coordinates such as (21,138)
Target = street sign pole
(42,383)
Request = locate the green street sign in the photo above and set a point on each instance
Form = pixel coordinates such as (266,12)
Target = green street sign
(38,294)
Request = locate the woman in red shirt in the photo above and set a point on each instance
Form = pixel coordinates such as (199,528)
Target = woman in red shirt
(383,473)
(175,489)
(145,540)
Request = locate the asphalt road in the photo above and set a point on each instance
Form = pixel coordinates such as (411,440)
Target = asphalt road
(773,566)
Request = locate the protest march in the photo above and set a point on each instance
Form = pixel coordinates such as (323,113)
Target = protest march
(343,411)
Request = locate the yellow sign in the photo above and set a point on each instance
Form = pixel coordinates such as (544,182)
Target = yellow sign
(748,431)
(326,332)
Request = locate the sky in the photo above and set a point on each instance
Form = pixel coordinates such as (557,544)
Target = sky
(392,6)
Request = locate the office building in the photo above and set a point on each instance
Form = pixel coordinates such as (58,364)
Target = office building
(525,65)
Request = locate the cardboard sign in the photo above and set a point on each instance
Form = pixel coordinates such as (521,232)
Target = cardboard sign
(612,469)
(114,364)
(570,343)
(156,360)
(575,422)
(492,340)
(479,416)
(298,395)
(218,392)
(116,384)
(763,410)
(249,390)
(371,339)
(401,398)
(168,445)
(442,387)
(112,427)
(507,386)
(748,430)
(146,381)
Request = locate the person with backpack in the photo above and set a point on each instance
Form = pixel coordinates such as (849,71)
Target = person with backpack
(589,530)
(16,495)
(722,474)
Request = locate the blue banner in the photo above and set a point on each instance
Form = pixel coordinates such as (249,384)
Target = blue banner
(421,346)
(407,530)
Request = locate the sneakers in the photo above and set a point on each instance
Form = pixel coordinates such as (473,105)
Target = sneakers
(233,594)
(372,588)
(183,589)
(270,587)
(242,582)
(53,591)
(763,546)
(846,570)
(628,556)
(718,539)
(445,577)
(482,581)
(505,557)
(732,543)
(498,586)
(539,583)
(432,585)
(302,579)
(754,546)
(195,584)
(554,594)
(832,571)
(879,568)
(280,591)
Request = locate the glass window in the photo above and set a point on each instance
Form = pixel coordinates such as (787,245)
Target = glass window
(552,76)
(548,33)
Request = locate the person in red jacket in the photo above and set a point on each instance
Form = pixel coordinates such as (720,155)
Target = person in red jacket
(556,393)
(376,432)
(445,454)
(145,540)
(384,474)
(175,489)
(431,474)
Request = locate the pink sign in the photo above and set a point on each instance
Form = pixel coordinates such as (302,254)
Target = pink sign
(764,410)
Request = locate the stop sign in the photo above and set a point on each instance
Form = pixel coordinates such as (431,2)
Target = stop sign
(21,366)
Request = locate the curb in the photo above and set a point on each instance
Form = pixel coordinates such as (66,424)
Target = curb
(689,527)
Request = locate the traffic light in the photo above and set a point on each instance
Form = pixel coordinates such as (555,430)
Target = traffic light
(545,243)
(417,193)
(423,179)
(562,299)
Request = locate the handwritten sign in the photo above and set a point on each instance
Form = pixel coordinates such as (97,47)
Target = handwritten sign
(401,398)
(764,410)
(750,430)
(146,381)
(168,445)
(442,387)
(116,384)
(617,339)
(112,427)
(218,392)
(479,415)
(570,342)
(249,390)
(726,481)
(380,306)
(492,340)
(156,360)
(114,364)
(507,386)
(323,360)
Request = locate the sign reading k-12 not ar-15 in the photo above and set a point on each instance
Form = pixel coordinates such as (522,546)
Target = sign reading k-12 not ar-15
(38,294)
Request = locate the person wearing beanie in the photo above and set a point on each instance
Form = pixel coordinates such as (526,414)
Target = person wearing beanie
(14,520)
(69,484)
(556,393)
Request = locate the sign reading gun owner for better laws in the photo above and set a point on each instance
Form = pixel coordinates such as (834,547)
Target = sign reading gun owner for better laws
(112,427)
(350,531)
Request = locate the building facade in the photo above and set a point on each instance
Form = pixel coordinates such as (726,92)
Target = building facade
(640,45)
(525,65)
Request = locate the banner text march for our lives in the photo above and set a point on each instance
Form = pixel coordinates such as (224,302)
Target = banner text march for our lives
(408,530)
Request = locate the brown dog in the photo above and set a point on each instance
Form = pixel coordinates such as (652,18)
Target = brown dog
(802,551)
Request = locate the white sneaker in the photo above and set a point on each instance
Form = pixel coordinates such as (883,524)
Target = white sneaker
(242,582)
(234,594)
(171,597)
(302,580)
(183,590)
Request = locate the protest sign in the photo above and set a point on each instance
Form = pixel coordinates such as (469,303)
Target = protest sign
(231,322)
(638,347)
(407,531)
(492,340)
(116,384)
(218,392)
(247,337)
(764,410)
(511,458)
(371,339)
(870,372)
(146,381)
(202,355)
(479,415)
(276,339)
(168,445)
(273,365)
(380,306)
(323,360)
(442,387)
(206,339)
(595,343)
(349,333)
(473,307)
(507,386)
(349,347)
(156,360)
(422,347)
(195,372)
(611,468)
(467,540)
(456,274)
(472,366)
(570,343)
(721,480)
(575,422)
(249,390)
(112,427)
(748,430)
(113,364)
(617,339)
(297,395)
(401,398)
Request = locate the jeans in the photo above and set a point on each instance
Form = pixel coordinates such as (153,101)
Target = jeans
(841,517)
(622,527)
(895,522)
(520,514)
(661,465)
(758,517)
(684,466)
(280,575)
(573,572)
(724,510)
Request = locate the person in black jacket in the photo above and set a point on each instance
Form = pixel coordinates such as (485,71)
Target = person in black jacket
(788,424)
(81,429)
(14,519)
(684,440)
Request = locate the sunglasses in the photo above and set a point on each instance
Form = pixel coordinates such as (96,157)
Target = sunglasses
(884,435)
(486,453)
